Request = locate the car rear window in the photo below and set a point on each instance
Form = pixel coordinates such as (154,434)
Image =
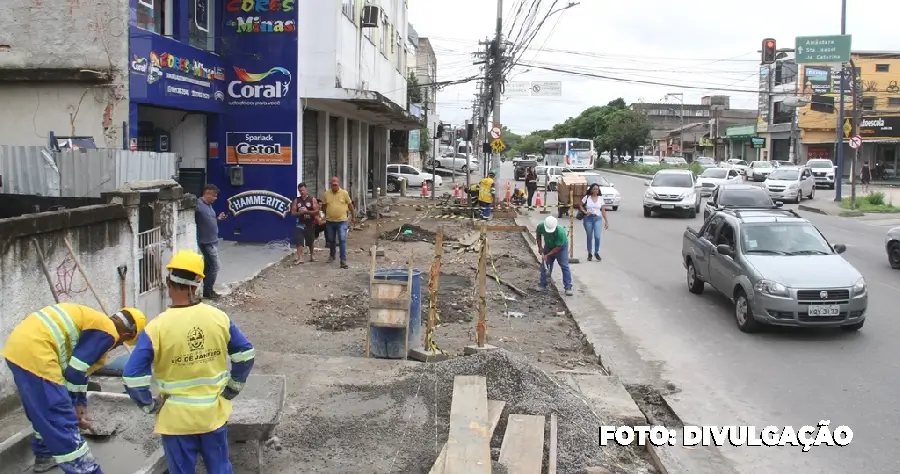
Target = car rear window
(525,163)
(744,198)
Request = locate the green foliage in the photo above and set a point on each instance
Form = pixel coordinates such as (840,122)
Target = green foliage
(424,140)
(873,201)
(875,198)
(650,170)
(612,127)
(414,93)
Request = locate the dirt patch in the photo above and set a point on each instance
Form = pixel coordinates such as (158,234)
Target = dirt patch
(455,301)
(408,233)
(654,406)
(339,313)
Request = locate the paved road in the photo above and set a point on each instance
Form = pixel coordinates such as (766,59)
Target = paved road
(779,377)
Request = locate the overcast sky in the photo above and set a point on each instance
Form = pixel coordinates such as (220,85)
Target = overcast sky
(709,45)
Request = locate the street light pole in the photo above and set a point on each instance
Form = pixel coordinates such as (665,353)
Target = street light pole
(680,96)
(839,127)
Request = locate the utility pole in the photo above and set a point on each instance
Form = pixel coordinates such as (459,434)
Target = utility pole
(839,128)
(857,118)
(498,76)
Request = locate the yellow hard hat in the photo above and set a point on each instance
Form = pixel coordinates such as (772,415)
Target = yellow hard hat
(187,260)
(140,322)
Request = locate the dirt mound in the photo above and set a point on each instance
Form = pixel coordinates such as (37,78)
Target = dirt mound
(526,390)
(339,313)
(408,233)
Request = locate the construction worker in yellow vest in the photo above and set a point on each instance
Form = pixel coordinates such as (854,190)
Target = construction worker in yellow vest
(486,192)
(186,349)
(51,353)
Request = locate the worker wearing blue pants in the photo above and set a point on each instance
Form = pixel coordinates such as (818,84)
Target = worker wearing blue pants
(50,354)
(186,349)
(486,192)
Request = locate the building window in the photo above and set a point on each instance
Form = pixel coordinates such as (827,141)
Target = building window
(882,67)
(152,15)
(385,34)
(868,103)
(349,9)
(893,101)
(201,27)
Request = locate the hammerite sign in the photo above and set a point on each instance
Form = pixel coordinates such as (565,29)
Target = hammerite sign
(259,200)
(880,127)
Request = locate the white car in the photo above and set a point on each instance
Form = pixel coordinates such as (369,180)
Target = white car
(711,178)
(823,172)
(414,177)
(791,184)
(737,164)
(612,199)
(892,245)
(548,176)
(672,190)
(759,170)
(457,162)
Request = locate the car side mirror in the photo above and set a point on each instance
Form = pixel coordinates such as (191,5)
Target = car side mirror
(839,248)
(612,185)
(779,203)
(647,183)
(725,250)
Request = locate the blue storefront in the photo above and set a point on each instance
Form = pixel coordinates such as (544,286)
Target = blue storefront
(232,69)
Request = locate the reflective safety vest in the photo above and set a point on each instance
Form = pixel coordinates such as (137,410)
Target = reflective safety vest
(485,188)
(43,342)
(190,364)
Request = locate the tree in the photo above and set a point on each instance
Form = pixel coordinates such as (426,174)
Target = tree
(413,90)
(626,131)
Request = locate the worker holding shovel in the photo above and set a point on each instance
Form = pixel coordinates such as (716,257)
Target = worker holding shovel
(50,354)
(186,348)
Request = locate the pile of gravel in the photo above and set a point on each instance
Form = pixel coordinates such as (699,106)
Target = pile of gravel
(526,390)
(340,313)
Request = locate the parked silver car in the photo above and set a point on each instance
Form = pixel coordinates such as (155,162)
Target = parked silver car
(777,268)
(892,246)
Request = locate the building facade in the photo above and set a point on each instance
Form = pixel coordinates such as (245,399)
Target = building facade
(776,122)
(426,73)
(879,73)
(254,96)
(665,117)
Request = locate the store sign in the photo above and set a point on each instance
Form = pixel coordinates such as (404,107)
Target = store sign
(758,142)
(270,148)
(880,127)
(763,104)
(167,73)
(259,200)
(818,153)
(269,88)
(260,16)
(817,79)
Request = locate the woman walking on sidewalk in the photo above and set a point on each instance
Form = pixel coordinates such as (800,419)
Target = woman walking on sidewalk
(530,184)
(594,217)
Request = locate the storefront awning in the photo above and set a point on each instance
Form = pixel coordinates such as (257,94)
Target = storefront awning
(373,107)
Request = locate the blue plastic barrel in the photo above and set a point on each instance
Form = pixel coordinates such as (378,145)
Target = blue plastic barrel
(115,367)
(387,343)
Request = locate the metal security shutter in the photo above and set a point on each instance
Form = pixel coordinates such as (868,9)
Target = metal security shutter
(311,151)
(332,147)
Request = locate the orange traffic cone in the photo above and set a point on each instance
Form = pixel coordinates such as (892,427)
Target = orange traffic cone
(456,193)
(425,189)
(537,199)
(508,194)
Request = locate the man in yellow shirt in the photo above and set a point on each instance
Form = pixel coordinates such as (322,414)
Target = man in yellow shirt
(51,353)
(486,191)
(338,211)
(186,351)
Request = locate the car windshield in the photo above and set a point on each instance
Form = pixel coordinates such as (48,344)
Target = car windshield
(785,174)
(783,239)
(673,180)
(739,162)
(526,163)
(820,164)
(646,159)
(762,164)
(596,179)
(716,173)
(745,198)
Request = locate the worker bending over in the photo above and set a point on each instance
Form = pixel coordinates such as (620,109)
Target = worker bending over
(50,354)
(486,192)
(186,349)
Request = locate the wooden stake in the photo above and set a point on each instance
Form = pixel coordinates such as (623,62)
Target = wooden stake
(84,274)
(551,458)
(481,328)
(433,287)
(43,262)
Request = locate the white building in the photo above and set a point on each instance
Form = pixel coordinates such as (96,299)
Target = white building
(352,87)
(426,73)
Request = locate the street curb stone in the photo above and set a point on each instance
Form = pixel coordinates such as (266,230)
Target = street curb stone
(624,173)
(804,207)
(230,288)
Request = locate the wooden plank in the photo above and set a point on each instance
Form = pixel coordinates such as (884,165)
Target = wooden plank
(469,443)
(495,410)
(389,303)
(401,284)
(507,228)
(554,442)
(522,451)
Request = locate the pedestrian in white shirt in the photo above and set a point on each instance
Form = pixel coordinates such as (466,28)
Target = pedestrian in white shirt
(594,217)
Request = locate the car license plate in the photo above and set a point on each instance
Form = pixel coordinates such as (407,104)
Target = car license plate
(608,201)
(668,206)
(824,310)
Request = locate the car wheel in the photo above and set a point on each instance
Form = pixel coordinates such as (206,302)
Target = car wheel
(552,187)
(831,187)
(615,208)
(465,169)
(812,194)
(894,255)
(743,314)
(391,187)
(647,212)
(692,213)
(853,327)
(695,285)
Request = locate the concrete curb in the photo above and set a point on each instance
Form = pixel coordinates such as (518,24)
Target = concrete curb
(804,207)
(229,288)
(624,173)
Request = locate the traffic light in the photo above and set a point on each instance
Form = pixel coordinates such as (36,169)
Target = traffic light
(470,131)
(768,51)
(440,131)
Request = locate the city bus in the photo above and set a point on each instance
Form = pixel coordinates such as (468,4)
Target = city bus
(574,153)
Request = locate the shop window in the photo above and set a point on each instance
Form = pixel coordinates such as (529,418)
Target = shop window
(882,68)
(893,101)
(152,15)
(349,9)
(868,103)
(201,27)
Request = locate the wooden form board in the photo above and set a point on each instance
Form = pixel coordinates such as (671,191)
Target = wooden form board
(469,443)
(522,451)
(495,409)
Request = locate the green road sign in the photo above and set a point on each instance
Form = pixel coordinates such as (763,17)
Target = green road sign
(822,49)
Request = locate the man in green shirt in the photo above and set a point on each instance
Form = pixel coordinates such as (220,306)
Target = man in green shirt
(553,245)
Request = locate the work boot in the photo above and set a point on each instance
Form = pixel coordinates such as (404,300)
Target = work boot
(44,464)
(211,295)
(590,257)
(597,256)
(569,292)
(331,259)
(344,264)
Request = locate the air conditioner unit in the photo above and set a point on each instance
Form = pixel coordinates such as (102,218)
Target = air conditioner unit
(370,15)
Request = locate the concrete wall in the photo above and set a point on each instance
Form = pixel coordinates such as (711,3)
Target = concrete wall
(32,109)
(338,54)
(188,131)
(103,237)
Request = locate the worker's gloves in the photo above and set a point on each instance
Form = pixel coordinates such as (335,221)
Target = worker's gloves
(154,407)
(228,393)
